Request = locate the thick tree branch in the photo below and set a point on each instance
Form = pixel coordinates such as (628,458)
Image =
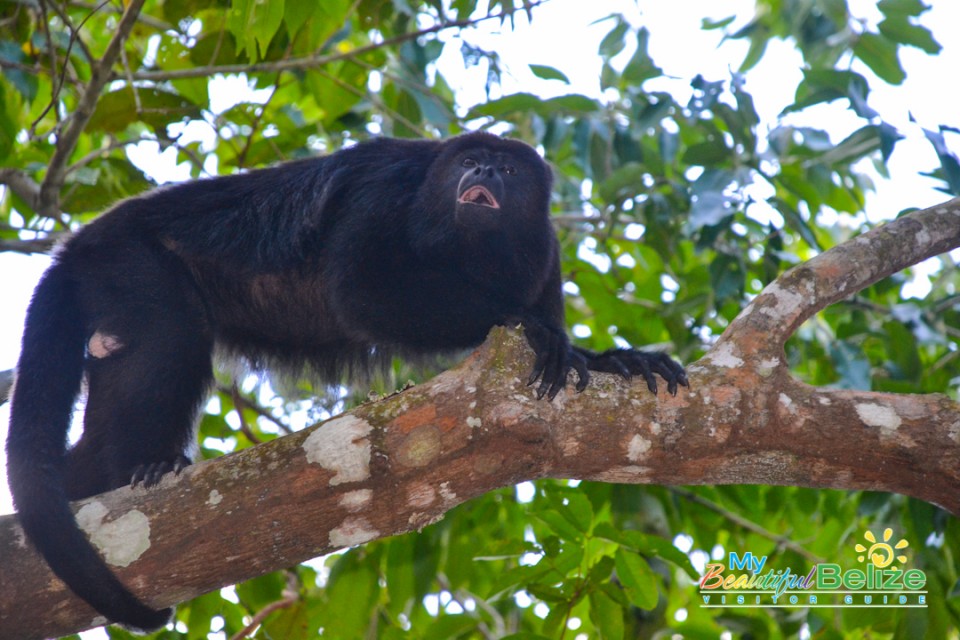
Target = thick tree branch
(780,309)
(399,464)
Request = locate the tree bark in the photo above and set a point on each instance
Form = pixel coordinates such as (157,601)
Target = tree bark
(400,463)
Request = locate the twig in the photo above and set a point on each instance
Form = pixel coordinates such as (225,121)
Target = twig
(67,140)
(22,185)
(74,37)
(148,20)
(743,523)
(312,61)
(238,404)
(260,411)
(37,245)
(6,383)
(289,599)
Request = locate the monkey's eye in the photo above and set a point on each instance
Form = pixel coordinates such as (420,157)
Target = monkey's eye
(469,163)
(509,169)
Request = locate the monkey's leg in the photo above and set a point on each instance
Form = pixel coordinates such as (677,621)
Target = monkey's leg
(148,375)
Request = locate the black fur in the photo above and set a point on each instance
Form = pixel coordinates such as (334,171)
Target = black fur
(336,263)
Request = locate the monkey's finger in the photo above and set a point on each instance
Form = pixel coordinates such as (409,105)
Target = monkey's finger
(555,374)
(538,367)
(621,368)
(554,377)
(670,371)
(647,374)
(579,364)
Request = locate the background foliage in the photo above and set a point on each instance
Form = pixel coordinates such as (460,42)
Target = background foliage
(672,214)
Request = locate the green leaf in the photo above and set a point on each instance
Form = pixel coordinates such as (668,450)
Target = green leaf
(613,43)
(901,8)
(710,24)
(560,524)
(880,55)
(948,160)
(527,102)
(904,32)
(758,47)
(254,23)
(450,626)
(648,545)
(853,367)
(549,73)
(8,125)
(25,83)
(606,615)
(637,578)
(858,144)
(351,594)
(117,110)
(641,66)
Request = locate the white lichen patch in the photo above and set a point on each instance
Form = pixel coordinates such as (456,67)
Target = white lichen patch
(474,423)
(121,541)
(787,302)
(767,367)
(421,495)
(354,501)
(446,493)
(881,416)
(954,431)
(637,448)
(625,474)
(341,446)
(419,520)
(725,356)
(787,403)
(570,447)
(215,498)
(352,532)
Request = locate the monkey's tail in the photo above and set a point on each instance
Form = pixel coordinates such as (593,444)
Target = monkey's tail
(49,374)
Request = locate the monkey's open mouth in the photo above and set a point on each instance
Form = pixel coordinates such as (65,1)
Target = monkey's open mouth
(479,195)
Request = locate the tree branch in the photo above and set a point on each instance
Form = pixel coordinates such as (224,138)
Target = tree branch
(398,464)
(22,185)
(36,245)
(315,60)
(49,200)
(780,309)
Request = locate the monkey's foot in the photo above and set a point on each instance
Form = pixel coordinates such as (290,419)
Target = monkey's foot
(150,474)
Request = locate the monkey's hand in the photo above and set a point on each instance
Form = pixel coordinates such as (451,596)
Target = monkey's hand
(555,357)
(630,362)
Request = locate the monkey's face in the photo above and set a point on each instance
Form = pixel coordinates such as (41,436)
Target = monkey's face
(483,185)
(498,186)
(483,196)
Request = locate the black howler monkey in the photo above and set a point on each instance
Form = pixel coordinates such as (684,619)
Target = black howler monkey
(335,263)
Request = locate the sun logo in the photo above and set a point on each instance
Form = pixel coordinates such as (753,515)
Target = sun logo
(881,554)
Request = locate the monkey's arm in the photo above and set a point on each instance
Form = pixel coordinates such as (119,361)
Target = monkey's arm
(545,331)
